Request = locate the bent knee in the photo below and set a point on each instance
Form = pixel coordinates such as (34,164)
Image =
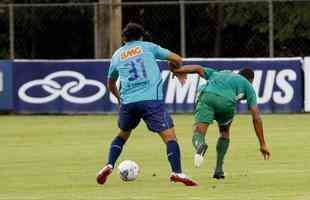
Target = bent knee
(124,134)
(225,134)
(200,128)
(168,135)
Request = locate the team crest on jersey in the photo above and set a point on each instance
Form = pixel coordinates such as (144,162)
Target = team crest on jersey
(132,52)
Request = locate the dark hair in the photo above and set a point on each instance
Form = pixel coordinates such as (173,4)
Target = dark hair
(133,31)
(247,73)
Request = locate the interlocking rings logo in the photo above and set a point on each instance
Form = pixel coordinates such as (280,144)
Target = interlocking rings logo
(65,91)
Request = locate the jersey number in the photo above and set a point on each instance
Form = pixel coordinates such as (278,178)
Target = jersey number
(133,67)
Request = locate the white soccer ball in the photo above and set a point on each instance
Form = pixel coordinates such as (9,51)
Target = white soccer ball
(128,170)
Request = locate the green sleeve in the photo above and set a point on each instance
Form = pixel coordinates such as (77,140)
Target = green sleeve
(208,72)
(250,96)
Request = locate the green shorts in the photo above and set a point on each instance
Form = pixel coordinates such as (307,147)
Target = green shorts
(211,107)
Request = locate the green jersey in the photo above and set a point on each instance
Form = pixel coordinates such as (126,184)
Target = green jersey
(230,85)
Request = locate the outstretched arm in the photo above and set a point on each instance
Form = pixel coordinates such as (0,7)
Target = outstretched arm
(258,126)
(175,61)
(189,69)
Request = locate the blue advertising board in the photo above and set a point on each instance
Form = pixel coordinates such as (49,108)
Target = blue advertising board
(79,86)
(278,83)
(60,87)
(6,94)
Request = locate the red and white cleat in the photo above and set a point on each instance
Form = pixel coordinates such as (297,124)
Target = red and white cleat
(104,173)
(182,178)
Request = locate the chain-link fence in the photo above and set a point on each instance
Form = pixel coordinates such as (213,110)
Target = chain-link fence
(191,28)
(54,32)
(4,32)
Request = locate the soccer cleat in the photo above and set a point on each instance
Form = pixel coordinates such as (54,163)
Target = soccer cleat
(104,173)
(182,178)
(198,158)
(218,175)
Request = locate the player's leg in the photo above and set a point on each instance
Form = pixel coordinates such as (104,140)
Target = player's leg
(204,114)
(159,120)
(221,149)
(174,157)
(199,142)
(173,149)
(116,148)
(128,120)
(224,115)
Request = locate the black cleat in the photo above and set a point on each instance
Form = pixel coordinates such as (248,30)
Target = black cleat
(219,176)
(201,150)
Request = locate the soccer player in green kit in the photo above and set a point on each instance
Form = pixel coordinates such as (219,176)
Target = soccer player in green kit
(217,100)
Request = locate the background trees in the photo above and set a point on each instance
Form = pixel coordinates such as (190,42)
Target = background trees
(212,30)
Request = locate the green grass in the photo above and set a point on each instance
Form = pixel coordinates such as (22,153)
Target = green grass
(57,157)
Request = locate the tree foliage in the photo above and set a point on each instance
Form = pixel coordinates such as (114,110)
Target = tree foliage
(214,29)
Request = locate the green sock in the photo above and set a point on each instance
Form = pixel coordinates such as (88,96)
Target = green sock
(221,149)
(198,139)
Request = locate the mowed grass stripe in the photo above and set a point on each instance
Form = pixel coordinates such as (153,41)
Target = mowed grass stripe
(57,157)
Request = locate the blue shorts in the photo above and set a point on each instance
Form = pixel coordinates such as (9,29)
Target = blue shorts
(153,114)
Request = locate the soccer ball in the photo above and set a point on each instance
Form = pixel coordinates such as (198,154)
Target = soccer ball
(128,170)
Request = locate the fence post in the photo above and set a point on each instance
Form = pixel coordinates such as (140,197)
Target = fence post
(12,31)
(96,46)
(107,28)
(182,28)
(271,29)
(102,28)
(116,25)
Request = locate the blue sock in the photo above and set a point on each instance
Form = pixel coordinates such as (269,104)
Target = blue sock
(115,150)
(174,156)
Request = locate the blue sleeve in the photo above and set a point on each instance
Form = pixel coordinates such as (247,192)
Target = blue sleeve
(113,72)
(160,53)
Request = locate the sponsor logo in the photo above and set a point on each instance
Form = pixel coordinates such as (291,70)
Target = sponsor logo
(1,82)
(271,85)
(66,91)
(132,52)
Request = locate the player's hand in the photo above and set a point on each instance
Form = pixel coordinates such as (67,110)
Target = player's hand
(265,152)
(181,77)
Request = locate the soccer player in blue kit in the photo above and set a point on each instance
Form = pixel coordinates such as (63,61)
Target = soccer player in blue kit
(141,97)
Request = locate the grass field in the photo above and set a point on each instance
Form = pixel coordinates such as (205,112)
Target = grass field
(57,158)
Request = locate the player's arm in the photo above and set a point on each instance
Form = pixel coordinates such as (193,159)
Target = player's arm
(189,69)
(113,89)
(112,79)
(257,120)
(175,62)
(165,54)
(258,126)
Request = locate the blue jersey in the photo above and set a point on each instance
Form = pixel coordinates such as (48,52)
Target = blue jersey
(135,65)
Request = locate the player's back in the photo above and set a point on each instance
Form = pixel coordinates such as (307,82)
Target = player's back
(229,85)
(138,71)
